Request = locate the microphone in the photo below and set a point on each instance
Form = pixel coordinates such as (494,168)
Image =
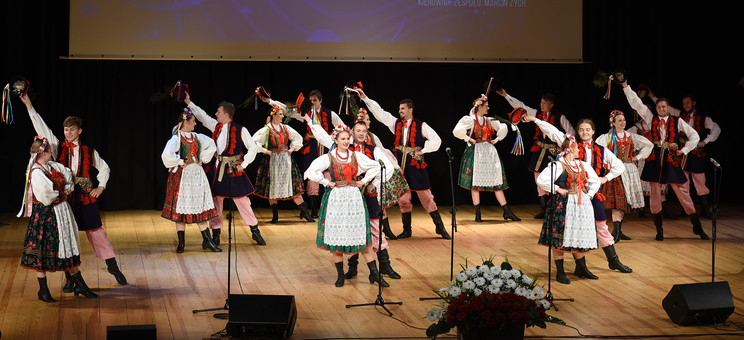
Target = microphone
(382,164)
(449,152)
(551,159)
(715,164)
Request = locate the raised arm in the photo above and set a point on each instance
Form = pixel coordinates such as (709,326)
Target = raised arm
(208,122)
(381,115)
(40,126)
(636,103)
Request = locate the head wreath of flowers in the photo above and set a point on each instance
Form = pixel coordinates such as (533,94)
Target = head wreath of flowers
(43,146)
(361,114)
(185,115)
(480,101)
(275,110)
(571,143)
(339,129)
(614,114)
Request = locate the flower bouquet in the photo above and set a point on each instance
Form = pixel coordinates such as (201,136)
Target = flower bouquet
(490,297)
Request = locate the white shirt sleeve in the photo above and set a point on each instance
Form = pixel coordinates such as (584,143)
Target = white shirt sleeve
(692,136)
(501,129)
(294,137)
(515,103)
(251,148)
(315,171)
(208,122)
(43,130)
(566,125)
(461,129)
(389,165)
(543,179)
(382,116)
(433,142)
(103,169)
(715,130)
(642,145)
(551,131)
(170,155)
(321,135)
(387,153)
(208,148)
(260,138)
(370,168)
(592,183)
(642,110)
(336,119)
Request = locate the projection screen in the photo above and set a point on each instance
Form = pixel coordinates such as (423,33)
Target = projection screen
(351,30)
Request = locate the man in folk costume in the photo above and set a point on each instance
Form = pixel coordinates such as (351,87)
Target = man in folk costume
(543,147)
(607,167)
(311,149)
(413,139)
(84,161)
(664,164)
(226,173)
(694,163)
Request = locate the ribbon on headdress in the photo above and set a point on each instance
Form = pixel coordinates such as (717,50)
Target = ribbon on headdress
(185,115)
(6,116)
(27,190)
(179,91)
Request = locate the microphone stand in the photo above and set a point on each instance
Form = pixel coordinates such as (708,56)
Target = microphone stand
(548,213)
(453,212)
(714,217)
(379,301)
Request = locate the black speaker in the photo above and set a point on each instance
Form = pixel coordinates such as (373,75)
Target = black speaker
(699,303)
(139,332)
(270,316)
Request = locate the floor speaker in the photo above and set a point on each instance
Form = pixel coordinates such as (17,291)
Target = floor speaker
(271,316)
(139,332)
(699,303)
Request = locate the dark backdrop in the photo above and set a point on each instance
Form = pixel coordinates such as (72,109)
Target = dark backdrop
(675,50)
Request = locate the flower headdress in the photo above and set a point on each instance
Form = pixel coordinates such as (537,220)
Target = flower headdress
(361,114)
(27,194)
(615,113)
(571,144)
(42,147)
(339,129)
(612,137)
(482,99)
(275,109)
(185,115)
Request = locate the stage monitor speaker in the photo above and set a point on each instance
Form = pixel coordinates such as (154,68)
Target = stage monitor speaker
(270,316)
(139,332)
(699,303)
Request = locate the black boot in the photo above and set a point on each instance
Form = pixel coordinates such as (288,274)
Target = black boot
(340,274)
(543,204)
(406,217)
(69,285)
(620,233)
(353,263)
(582,271)
(705,208)
(314,205)
(508,214)
(659,229)
(305,213)
(478,214)
(697,228)
(374,274)
(216,236)
(616,230)
(81,287)
(386,229)
(275,213)
(437,219)
(113,269)
(385,266)
(256,235)
(614,261)
(560,275)
(667,211)
(207,240)
(181,241)
(44,294)
(205,244)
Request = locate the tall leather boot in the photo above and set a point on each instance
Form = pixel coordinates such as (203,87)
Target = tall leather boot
(44,294)
(81,287)
(353,263)
(275,213)
(256,235)
(659,228)
(374,274)
(582,271)
(478,213)
(113,269)
(386,229)
(543,205)
(697,228)
(642,211)
(614,261)
(205,245)
(207,240)
(560,275)
(616,231)
(621,234)
(339,274)
(385,267)
(181,241)
(216,236)
(314,205)
(705,208)
(406,218)
(305,213)
(69,285)
(667,211)
(437,219)
(508,214)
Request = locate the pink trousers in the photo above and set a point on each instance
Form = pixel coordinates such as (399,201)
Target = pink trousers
(681,190)
(425,196)
(100,243)
(244,208)
(698,179)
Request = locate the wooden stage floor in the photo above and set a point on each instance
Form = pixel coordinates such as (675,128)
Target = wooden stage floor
(165,287)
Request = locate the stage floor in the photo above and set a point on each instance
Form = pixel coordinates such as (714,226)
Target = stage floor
(164,287)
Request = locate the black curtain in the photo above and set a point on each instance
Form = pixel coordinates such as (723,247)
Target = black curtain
(672,50)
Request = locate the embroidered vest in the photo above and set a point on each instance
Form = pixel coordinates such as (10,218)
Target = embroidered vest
(234,145)
(623,149)
(698,123)
(597,162)
(414,139)
(484,132)
(343,173)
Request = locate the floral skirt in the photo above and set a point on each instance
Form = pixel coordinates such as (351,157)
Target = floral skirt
(188,198)
(278,177)
(614,191)
(343,223)
(394,189)
(572,224)
(468,170)
(42,242)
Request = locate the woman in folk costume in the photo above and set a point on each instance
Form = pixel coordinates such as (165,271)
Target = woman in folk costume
(51,242)
(481,168)
(571,217)
(278,177)
(188,198)
(625,193)
(344,222)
